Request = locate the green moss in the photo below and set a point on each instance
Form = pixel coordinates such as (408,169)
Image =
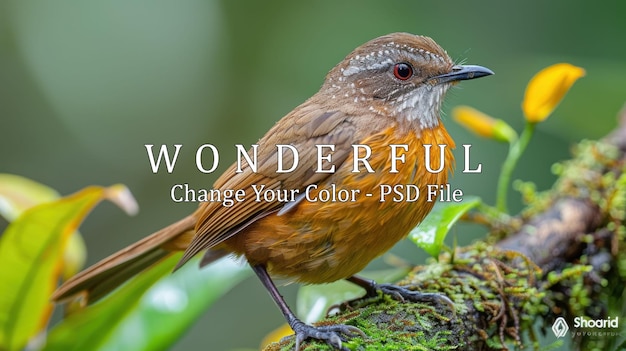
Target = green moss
(484,283)
(535,201)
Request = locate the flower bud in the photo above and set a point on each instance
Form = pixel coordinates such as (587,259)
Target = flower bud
(547,88)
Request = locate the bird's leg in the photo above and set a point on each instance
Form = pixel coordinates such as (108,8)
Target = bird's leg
(399,293)
(333,335)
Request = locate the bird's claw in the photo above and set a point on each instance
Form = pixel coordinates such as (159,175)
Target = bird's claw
(331,334)
(403,294)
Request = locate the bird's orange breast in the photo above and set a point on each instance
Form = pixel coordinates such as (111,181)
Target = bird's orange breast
(319,242)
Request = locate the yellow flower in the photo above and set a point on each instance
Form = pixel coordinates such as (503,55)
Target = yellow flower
(547,88)
(483,125)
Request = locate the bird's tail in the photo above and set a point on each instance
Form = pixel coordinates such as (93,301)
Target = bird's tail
(106,275)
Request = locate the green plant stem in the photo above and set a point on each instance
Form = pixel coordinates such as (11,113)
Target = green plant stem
(515,152)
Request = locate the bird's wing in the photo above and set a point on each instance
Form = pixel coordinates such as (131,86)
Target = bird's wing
(304,128)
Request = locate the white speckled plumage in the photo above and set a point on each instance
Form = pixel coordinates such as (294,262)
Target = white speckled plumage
(415,101)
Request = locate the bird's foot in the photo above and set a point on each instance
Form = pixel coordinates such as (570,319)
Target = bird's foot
(403,294)
(333,335)
(399,293)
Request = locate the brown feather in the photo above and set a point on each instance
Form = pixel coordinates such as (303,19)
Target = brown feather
(308,125)
(110,272)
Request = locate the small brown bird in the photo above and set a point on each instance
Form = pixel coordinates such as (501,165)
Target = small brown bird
(388,91)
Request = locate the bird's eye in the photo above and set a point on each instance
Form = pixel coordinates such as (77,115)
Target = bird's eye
(402,71)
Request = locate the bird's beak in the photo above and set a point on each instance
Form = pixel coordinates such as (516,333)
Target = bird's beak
(462,72)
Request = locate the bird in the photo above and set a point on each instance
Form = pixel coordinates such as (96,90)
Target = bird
(388,91)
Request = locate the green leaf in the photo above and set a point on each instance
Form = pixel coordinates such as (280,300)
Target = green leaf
(431,233)
(31,250)
(132,318)
(88,328)
(314,300)
(17,194)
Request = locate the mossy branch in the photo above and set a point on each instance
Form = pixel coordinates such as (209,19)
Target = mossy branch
(565,259)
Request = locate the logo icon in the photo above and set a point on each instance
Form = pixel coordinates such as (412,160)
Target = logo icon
(560,327)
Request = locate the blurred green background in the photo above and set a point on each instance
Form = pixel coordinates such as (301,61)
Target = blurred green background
(84,85)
